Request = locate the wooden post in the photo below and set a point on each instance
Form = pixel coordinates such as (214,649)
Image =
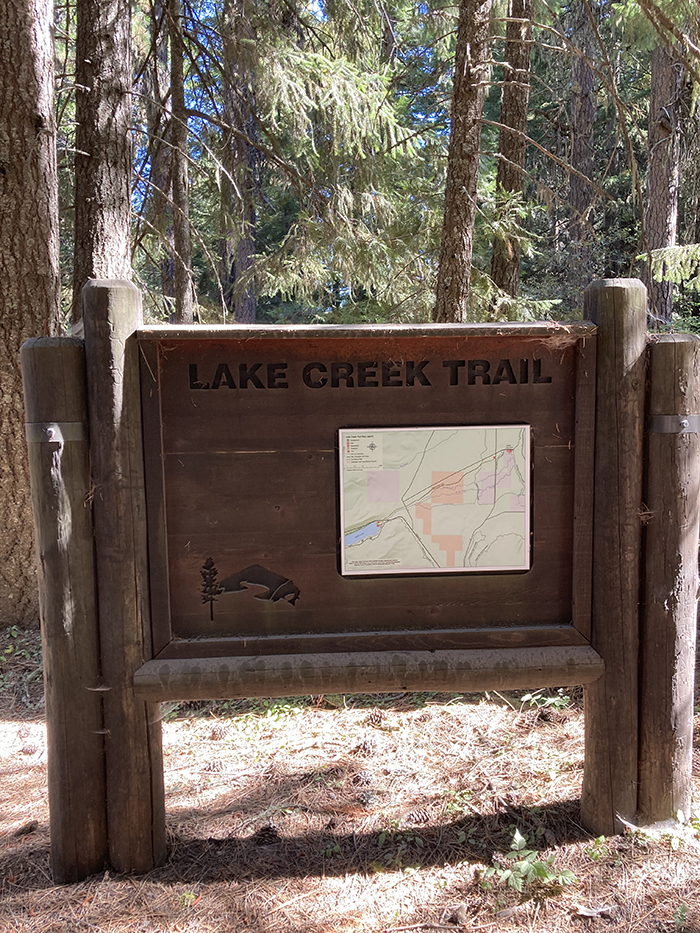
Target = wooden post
(135,795)
(618,307)
(53,370)
(672,497)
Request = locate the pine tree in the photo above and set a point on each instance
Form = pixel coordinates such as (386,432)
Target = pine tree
(103,163)
(470,79)
(210,587)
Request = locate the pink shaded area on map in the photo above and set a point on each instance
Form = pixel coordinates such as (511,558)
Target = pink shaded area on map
(383,486)
(450,544)
(500,477)
(517,503)
(448,487)
(424,513)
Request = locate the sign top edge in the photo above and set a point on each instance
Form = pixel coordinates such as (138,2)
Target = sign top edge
(573,330)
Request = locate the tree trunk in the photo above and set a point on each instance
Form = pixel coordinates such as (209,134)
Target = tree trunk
(505,262)
(159,120)
(29,296)
(239,159)
(583,107)
(103,144)
(184,298)
(470,78)
(663,172)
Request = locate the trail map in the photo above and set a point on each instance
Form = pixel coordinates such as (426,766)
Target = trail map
(435,500)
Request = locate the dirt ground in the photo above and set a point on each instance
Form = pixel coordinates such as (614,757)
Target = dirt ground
(319,814)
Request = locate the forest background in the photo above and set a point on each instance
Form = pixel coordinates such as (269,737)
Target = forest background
(292,161)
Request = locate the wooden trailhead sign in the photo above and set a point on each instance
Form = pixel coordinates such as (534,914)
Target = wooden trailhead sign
(274,511)
(322,489)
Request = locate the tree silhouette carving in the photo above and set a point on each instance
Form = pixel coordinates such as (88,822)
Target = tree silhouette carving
(210,587)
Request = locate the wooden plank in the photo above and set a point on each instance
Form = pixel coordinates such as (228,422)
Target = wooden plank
(367,672)
(253,519)
(155,500)
(423,640)
(583,483)
(618,307)
(53,370)
(135,796)
(568,333)
(672,498)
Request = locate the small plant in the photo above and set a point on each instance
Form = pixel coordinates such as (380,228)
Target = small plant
(680,917)
(538,700)
(187,899)
(599,849)
(331,850)
(398,845)
(526,870)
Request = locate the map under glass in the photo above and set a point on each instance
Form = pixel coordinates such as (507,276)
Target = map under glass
(435,500)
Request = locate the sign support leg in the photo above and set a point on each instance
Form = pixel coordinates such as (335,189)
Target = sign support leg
(672,498)
(134,768)
(618,307)
(53,370)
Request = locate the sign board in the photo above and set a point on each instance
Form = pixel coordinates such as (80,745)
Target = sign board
(336,488)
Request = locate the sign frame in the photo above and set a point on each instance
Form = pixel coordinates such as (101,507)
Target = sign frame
(579,340)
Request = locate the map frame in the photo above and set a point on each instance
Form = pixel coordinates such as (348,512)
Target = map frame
(382,568)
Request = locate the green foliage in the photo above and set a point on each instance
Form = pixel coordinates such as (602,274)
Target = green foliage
(524,872)
(541,699)
(677,264)
(402,848)
(599,849)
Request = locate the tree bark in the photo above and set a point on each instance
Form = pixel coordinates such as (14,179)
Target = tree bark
(583,107)
(663,172)
(505,261)
(470,79)
(239,158)
(159,118)
(29,297)
(103,144)
(184,298)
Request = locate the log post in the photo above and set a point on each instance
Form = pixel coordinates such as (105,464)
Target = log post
(134,768)
(618,307)
(53,370)
(672,497)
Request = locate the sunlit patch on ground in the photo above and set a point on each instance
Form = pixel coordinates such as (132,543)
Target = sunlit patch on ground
(358,814)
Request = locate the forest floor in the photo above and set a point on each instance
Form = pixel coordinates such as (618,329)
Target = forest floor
(374,813)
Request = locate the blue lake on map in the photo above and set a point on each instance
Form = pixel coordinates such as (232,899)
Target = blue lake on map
(368,531)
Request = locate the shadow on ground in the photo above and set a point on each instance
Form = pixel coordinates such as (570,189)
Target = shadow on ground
(269,855)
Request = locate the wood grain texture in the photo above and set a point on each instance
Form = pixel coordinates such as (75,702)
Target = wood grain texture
(425,640)
(672,497)
(53,370)
(135,799)
(366,672)
(250,476)
(584,466)
(618,307)
(567,333)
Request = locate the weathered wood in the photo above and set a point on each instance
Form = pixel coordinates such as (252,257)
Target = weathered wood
(567,333)
(672,498)
(249,476)
(534,636)
(584,466)
(135,797)
(53,371)
(367,672)
(618,307)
